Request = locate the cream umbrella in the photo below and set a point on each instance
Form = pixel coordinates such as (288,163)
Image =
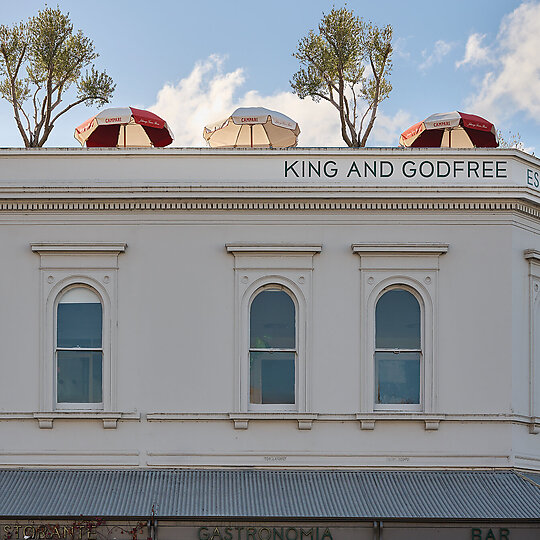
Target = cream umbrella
(253,127)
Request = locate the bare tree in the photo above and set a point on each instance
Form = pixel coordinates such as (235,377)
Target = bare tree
(347,63)
(39,61)
(512,140)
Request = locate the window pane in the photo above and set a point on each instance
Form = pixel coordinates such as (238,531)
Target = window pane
(397,377)
(397,320)
(272,321)
(79,324)
(272,377)
(79,377)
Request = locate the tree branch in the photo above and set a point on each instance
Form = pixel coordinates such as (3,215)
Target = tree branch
(377,94)
(74,104)
(14,102)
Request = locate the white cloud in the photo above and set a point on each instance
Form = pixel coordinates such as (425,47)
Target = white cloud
(208,94)
(475,53)
(513,84)
(387,129)
(440,50)
(399,48)
(203,96)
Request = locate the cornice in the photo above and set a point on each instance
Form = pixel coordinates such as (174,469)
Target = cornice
(410,248)
(285,205)
(54,248)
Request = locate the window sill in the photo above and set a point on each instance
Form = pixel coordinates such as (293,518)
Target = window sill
(305,420)
(109,419)
(431,421)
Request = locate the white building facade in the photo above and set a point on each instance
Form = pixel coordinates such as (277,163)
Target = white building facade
(319,309)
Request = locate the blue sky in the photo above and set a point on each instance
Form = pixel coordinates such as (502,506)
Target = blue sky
(194,62)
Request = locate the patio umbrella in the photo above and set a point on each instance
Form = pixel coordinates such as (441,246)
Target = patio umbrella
(124,126)
(253,127)
(451,130)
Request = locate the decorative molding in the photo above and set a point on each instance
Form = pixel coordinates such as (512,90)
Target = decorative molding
(121,205)
(256,266)
(89,264)
(432,425)
(367,420)
(431,421)
(321,417)
(110,419)
(414,266)
(393,248)
(241,420)
(367,424)
(533,254)
(70,458)
(305,421)
(93,248)
(242,248)
(185,417)
(283,459)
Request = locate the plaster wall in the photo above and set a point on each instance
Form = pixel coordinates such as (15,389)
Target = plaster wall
(176,368)
(176,339)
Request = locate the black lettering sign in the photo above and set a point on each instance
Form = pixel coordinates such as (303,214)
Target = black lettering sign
(479,534)
(443,169)
(458,167)
(408,169)
(353,169)
(533,178)
(388,170)
(500,169)
(332,171)
(291,168)
(372,170)
(426,172)
(472,167)
(315,169)
(487,169)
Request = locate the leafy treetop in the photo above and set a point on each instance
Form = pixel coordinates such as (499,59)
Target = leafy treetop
(39,61)
(348,61)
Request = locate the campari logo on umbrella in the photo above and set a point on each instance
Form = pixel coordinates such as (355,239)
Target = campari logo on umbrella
(451,130)
(124,127)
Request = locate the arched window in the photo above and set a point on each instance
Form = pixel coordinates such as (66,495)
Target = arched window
(79,348)
(398,348)
(272,348)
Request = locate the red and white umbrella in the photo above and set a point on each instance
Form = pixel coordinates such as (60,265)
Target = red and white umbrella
(124,126)
(253,127)
(451,130)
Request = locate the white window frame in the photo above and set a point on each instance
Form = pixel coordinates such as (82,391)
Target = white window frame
(63,266)
(105,351)
(276,406)
(257,266)
(418,296)
(414,267)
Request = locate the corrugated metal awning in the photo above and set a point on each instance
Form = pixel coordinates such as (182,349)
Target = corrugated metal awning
(441,495)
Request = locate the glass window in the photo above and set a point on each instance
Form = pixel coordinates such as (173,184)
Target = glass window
(79,348)
(272,352)
(398,349)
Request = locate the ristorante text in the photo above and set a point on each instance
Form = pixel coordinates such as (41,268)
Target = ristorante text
(417,169)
